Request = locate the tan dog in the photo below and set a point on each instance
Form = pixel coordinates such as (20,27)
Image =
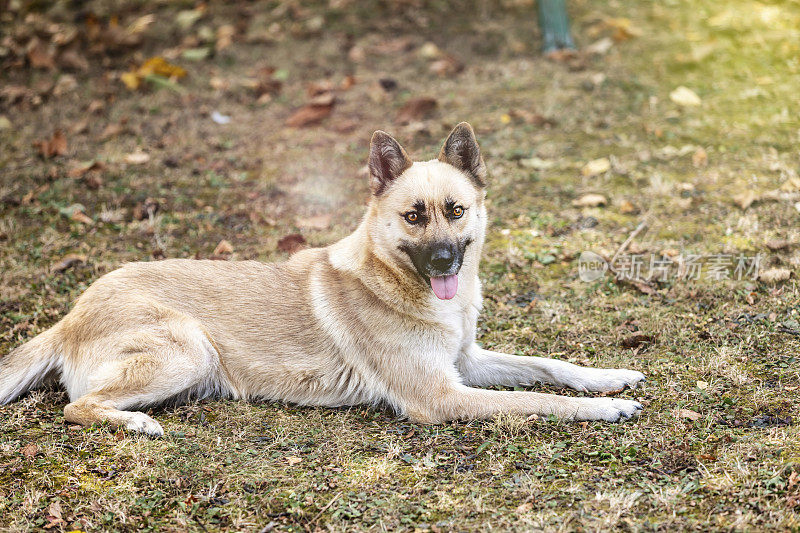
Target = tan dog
(387,315)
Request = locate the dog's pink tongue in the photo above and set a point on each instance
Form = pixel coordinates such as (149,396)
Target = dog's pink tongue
(445,287)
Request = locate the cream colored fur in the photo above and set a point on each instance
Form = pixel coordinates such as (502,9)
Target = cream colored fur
(349,324)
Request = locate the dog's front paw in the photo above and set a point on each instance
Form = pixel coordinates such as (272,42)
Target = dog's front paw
(608,409)
(604,379)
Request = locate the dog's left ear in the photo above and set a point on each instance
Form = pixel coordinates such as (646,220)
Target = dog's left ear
(462,151)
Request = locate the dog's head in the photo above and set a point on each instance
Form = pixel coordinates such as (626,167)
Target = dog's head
(428,215)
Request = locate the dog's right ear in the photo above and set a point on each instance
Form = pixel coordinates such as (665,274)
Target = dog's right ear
(387,160)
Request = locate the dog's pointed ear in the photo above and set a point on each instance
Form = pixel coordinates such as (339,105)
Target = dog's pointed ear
(387,160)
(462,151)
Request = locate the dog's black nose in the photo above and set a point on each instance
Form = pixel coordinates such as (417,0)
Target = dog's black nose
(442,259)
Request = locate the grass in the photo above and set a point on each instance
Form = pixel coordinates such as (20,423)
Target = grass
(724,349)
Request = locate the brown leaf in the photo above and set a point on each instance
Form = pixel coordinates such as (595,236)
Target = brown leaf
(112,130)
(78,172)
(447,66)
(72,59)
(55,146)
(54,518)
(596,167)
(745,199)
(700,158)
(292,243)
(223,248)
(416,109)
(82,126)
(345,126)
(779,244)
(636,340)
(67,262)
(41,54)
(147,209)
(626,208)
(30,451)
(83,218)
(688,413)
(313,113)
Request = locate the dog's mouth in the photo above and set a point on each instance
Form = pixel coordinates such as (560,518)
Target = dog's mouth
(444,287)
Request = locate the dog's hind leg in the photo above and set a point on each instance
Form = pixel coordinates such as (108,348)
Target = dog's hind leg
(151,366)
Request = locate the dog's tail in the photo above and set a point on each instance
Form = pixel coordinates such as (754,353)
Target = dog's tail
(26,366)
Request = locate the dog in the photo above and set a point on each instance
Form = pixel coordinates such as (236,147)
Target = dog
(386,316)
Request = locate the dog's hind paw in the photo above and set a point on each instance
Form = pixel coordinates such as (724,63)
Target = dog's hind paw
(141,423)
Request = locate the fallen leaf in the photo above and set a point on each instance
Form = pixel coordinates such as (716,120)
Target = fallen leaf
(186,18)
(636,340)
(683,96)
(112,130)
(146,209)
(54,518)
(623,28)
(72,59)
(83,218)
(55,146)
(688,413)
(312,113)
(416,109)
(590,200)
(67,262)
(745,199)
(78,172)
(429,50)
(524,507)
(774,275)
(41,54)
(292,460)
(223,248)
(446,66)
(600,47)
(225,35)
(131,80)
(316,222)
(137,158)
(627,208)
(700,158)
(82,126)
(537,163)
(30,451)
(596,167)
(292,243)
(779,244)
(155,66)
(702,385)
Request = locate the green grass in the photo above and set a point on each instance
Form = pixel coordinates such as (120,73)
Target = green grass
(722,349)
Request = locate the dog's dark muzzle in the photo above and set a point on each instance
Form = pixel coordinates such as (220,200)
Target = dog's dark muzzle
(438,258)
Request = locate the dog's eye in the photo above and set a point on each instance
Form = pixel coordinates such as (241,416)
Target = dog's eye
(411,217)
(458,211)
